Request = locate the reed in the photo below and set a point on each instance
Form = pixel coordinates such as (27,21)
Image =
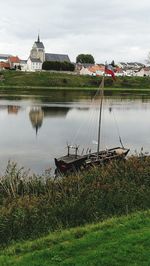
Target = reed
(34,205)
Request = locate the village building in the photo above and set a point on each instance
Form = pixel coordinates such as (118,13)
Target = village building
(34,64)
(91,69)
(4,61)
(9,62)
(23,65)
(143,72)
(14,62)
(4,65)
(119,72)
(38,56)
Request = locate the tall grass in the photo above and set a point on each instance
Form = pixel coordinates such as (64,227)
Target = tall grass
(33,205)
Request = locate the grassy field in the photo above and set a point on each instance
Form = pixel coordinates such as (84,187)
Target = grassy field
(27,80)
(117,241)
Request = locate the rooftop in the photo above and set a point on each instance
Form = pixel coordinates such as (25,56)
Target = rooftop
(57,57)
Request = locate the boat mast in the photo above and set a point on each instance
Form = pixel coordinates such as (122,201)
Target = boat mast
(100,113)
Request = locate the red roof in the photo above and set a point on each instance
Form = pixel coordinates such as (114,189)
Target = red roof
(14,59)
(96,68)
(4,65)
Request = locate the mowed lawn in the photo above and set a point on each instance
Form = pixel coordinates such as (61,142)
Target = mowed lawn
(117,241)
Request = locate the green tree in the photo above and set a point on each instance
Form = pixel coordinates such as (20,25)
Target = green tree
(85,58)
(64,66)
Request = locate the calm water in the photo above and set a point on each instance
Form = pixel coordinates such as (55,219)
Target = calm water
(35,129)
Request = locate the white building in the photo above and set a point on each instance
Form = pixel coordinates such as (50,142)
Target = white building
(34,64)
(38,56)
(23,65)
(145,71)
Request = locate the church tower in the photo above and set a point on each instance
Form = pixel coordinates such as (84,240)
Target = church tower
(38,50)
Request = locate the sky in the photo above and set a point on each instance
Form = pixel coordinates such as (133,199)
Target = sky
(109,30)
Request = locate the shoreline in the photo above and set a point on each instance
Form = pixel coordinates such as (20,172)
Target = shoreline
(21,88)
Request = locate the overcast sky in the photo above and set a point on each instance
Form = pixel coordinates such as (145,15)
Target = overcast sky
(109,30)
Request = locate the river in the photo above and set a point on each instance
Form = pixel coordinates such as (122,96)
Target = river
(35,129)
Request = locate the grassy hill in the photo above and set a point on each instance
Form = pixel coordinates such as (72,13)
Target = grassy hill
(117,241)
(15,79)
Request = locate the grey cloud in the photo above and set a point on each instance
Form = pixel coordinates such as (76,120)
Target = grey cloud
(106,29)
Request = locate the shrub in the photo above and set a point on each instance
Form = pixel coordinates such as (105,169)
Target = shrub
(59,66)
(31,206)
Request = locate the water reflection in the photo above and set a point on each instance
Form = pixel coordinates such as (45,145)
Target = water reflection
(36,116)
(34,131)
(53,111)
(12,109)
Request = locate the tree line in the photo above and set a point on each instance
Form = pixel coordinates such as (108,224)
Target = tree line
(59,66)
(67,66)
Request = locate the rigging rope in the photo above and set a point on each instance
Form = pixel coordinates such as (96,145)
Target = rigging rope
(90,118)
(118,131)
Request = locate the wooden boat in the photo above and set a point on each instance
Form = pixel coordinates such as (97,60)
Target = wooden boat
(75,162)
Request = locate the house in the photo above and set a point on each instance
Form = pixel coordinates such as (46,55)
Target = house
(145,71)
(23,65)
(4,61)
(139,65)
(79,66)
(9,62)
(134,65)
(14,62)
(92,70)
(97,70)
(4,65)
(84,70)
(122,65)
(119,72)
(34,64)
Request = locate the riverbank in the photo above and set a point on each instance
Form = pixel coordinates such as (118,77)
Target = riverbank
(117,241)
(30,207)
(15,80)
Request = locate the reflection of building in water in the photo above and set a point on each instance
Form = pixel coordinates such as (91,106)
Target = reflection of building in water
(52,111)
(12,109)
(36,115)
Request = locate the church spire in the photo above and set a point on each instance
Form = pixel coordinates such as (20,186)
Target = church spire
(38,40)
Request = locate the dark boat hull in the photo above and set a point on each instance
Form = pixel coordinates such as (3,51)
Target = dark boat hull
(74,163)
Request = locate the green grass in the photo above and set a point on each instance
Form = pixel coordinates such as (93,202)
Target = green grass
(117,241)
(30,208)
(16,80)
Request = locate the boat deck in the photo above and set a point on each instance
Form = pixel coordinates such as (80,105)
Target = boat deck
(71,158)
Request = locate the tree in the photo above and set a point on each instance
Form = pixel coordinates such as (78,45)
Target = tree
(58,66)
(85,58)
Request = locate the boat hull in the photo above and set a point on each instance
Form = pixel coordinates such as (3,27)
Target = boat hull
(73,163)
